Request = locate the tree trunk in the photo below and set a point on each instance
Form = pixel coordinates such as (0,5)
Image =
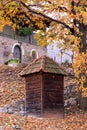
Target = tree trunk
(83,29)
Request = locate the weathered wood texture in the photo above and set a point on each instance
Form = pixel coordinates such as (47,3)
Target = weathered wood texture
(43,91)
(52,91)
(33,94)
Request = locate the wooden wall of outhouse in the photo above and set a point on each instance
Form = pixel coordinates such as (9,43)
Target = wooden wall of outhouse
(44,85)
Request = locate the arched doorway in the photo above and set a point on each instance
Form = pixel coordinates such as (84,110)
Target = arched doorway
(34,54)
(17,52)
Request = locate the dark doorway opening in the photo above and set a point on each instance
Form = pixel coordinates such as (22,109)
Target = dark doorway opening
(17,52)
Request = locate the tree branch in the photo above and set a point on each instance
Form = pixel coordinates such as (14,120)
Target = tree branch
(47,17)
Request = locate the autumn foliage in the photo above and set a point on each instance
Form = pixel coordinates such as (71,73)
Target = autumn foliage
(63,21)
(80,66)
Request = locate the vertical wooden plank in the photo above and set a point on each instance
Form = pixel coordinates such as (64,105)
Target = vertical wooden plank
(53,90)
(63,94)
(42,94)
(43,91)
(33,94)
(25,95)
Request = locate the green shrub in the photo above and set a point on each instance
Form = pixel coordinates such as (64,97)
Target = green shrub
(13,61)
(24,31)
(66,61)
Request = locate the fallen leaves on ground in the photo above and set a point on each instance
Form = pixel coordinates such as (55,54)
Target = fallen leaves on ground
(12,86)
(70,122)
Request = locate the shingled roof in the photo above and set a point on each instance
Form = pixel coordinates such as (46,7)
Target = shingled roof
(43,64)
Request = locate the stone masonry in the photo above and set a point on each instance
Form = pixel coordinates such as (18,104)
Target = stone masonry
(7,50)
(25,44)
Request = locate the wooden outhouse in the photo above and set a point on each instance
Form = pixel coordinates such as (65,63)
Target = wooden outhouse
(44,86)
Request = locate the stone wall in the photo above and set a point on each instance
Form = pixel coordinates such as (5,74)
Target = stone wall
(70,93)
(7,49)
(10,33)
